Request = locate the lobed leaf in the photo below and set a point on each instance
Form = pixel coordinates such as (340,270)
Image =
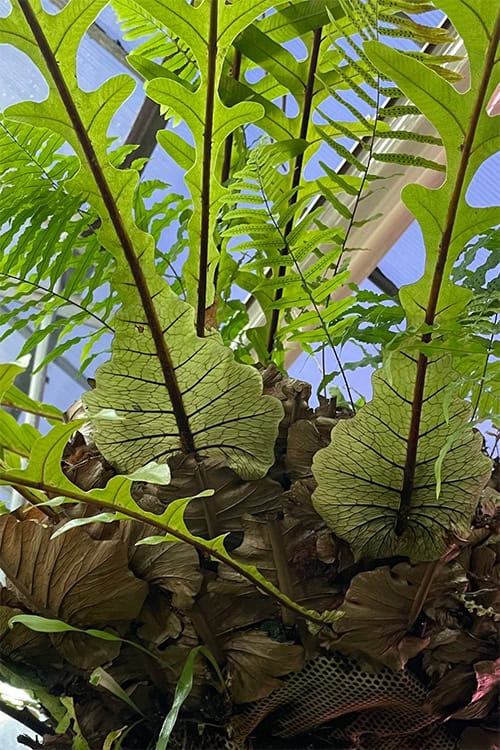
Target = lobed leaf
(360,474)
(226,412)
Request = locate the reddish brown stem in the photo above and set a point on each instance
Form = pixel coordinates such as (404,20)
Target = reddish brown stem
(437,281)
(139,279)
(297,173)
(207,171)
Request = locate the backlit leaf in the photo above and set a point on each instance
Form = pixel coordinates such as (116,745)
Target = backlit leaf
(360,474)
(227,415)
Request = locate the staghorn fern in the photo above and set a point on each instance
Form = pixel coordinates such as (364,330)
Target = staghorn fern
(82,121)
(149,309)
(172,391)
(400,470)
(259,43)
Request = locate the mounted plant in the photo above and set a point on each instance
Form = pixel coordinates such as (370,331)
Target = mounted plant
(198,548)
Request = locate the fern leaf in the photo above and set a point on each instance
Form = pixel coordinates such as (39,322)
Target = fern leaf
(149,307)
(361,473)
(400,491)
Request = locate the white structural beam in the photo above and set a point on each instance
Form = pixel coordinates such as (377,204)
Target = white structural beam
(376,238)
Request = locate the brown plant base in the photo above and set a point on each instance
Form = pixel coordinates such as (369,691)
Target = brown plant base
(410,664)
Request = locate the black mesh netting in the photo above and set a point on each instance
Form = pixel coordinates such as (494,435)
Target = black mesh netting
(334,703)
(388,708)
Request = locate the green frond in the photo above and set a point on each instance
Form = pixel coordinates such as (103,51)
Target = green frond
(401,110)
(408,135)
(341,150)
(47,251)
(158,43)
(406,28)
(409,160)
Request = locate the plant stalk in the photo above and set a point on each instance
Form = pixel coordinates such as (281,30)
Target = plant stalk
(139,279)
(228,145)
(282,569)
(297,173)
(207,171)
(437,281)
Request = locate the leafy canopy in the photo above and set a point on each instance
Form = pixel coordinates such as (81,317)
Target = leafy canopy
(181,384)
(422,470)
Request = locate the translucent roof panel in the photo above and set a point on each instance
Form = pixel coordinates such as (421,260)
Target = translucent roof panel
(404,263)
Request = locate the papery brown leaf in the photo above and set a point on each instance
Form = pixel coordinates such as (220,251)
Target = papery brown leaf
(326,546)
(449,647)
(172,566)
(485,697)
(255,548)
(311,579)
(159,622)
(232,498)
(83,651)
(449,581)
(230,602)
(485,567)
(489,504)
(8,598)
(97,718)
(84,465)
(162,672)
(298,503)
(24,645)
(482,562)
(294,395)
(73,577)
(304,439)
(211,316)
(171,661)
(134,666)
(376,611)
(453,691)
(254,661)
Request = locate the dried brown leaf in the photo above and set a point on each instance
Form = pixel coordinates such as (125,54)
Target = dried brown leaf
(85,652)
(230,602)
(453,691)
(377,607)
(172,566)
(294,395)
(84,465)
(171,661)
(254,661)
(233,497)
(485,696)
(304,440)
(298,503)
(159,622)
(24,645)
(312,580)
(97,718)
(73,577)
(449,647)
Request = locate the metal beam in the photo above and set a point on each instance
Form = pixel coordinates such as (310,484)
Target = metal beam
(97,34)
(61,362)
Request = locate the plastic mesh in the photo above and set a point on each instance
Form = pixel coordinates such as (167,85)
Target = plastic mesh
(390,704)
(385,730)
